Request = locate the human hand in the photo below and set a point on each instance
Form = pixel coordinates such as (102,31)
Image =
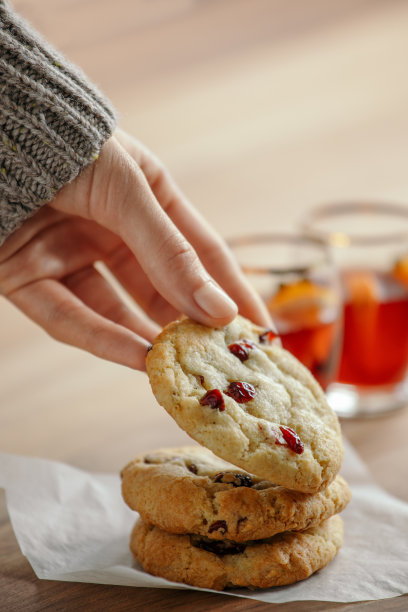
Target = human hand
(123,210)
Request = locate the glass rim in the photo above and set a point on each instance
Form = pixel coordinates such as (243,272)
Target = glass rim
(343,238)
(275,238)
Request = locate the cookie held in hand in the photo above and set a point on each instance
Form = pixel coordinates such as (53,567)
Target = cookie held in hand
(190,490)
(248,400)
(283,559)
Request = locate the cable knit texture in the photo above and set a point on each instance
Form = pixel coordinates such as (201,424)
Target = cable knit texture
(53,122)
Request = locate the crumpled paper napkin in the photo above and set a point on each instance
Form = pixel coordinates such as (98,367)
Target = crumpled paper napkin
(74,526)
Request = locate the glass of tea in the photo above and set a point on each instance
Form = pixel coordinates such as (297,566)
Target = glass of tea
(369,243)
(300,286)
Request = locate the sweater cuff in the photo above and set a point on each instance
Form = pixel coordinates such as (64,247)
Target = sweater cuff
(53,123)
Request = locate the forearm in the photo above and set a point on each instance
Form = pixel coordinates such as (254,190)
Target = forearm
(52,121)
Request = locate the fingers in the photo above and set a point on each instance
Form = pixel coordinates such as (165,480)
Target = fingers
(95,291)
(122,200)
(68,319)
(219,261)
(116,193)
(211,249)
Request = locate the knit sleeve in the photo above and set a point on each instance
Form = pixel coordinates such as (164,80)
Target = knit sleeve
(52,121)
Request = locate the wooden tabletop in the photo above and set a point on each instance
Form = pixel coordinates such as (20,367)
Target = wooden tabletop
(260,108)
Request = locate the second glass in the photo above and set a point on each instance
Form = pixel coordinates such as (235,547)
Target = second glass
(369,243)
(300,286)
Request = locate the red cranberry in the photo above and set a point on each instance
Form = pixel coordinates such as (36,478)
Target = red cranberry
(292,439)
(201,379)
(267,336)
(213,399)
(218,526)
(239,351)
(241,392)
(242,348)
(192,468)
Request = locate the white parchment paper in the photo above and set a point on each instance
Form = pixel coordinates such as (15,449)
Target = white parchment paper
(74,526)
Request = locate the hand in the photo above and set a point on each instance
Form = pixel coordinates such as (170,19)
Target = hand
(123,210)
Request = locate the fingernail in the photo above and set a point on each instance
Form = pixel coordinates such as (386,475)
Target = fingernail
(214,301)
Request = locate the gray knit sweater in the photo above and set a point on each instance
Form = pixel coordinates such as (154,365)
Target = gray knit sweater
(52,121)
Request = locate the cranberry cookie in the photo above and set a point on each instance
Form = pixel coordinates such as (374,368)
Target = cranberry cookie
(248,400)
(190,490)
(283,559)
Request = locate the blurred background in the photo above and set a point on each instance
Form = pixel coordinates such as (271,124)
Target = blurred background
(260,109)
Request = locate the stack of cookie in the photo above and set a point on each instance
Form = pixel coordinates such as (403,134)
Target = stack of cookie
(261,509)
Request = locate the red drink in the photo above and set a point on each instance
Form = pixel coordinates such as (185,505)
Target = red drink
(375,343)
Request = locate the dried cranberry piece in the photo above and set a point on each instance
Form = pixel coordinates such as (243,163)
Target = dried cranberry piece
(292,439)
(241,392)
(192,468)
(242,348)
(218,526)
(237,480)
(213,399)
(239,351)
(218,547)
(267,336)
(201,379)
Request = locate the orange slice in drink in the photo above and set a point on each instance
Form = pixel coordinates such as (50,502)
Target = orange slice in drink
(301,303)
(400,270)
(361,287)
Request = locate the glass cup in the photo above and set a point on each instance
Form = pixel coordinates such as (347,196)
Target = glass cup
(299,284)
(369,243)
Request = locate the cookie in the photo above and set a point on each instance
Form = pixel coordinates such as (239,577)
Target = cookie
(248,400)
(190,490)
(283,559)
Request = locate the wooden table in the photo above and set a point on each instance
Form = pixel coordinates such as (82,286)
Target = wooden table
(260,109)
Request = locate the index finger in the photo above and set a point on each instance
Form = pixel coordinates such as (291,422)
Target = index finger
(210,247)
